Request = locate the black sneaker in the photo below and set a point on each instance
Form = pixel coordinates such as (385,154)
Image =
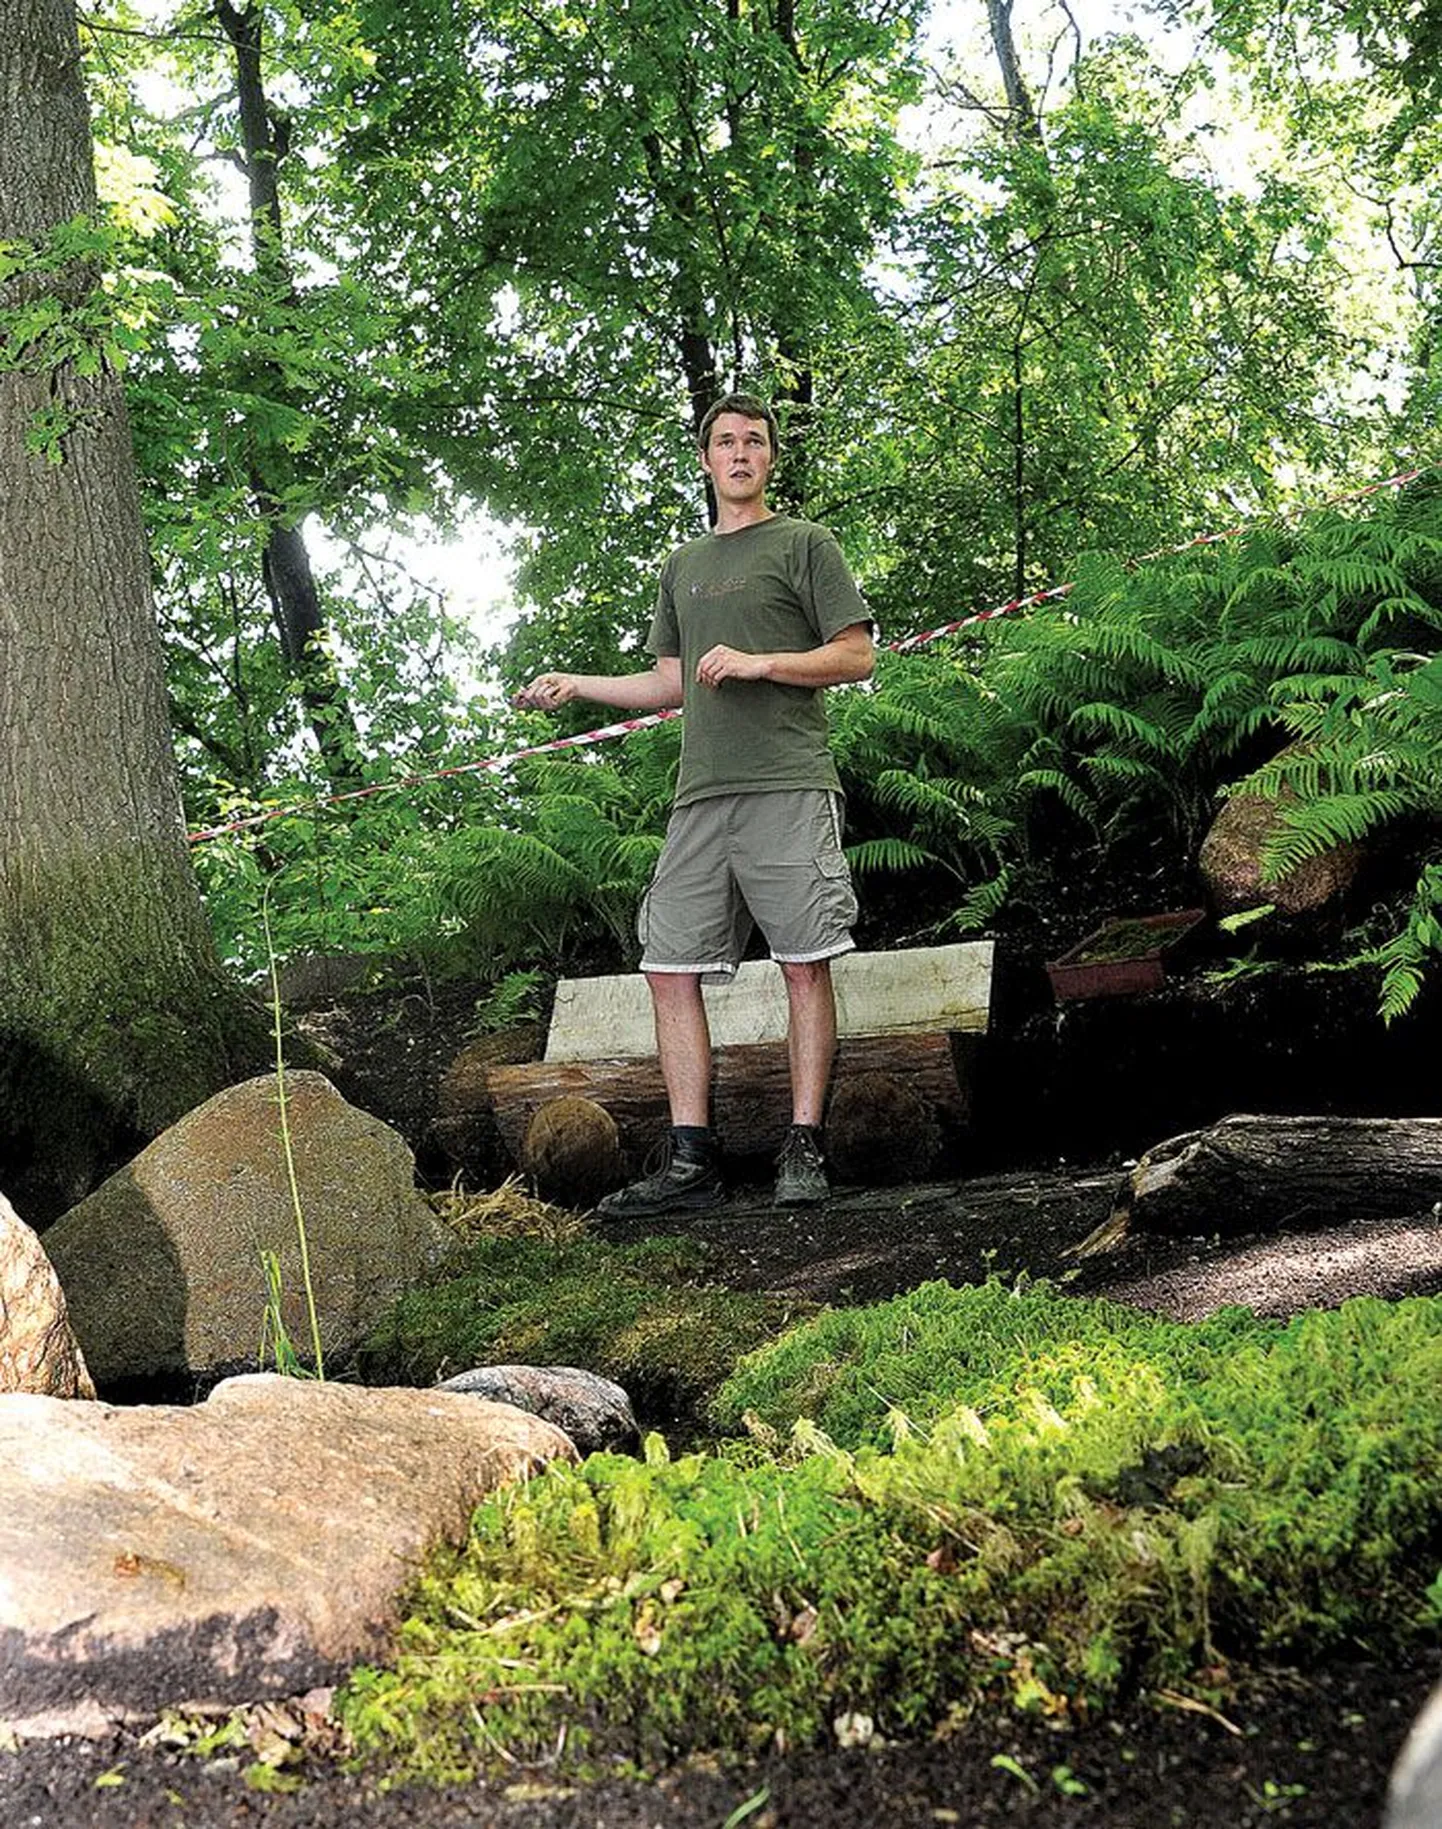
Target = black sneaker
(800,1170)
(683,1185)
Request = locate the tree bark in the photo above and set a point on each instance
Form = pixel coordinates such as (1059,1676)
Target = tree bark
(286,570)
(115,1017)
(1260,1174)
(1024,119)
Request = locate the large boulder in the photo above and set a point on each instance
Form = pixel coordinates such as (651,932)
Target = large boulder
(164,1265)
(1231,861)
(252,1546)
(38,1351)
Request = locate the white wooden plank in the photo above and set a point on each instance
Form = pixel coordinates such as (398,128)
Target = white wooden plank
(922,989)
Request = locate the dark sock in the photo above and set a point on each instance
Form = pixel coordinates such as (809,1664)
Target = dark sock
(693,1142)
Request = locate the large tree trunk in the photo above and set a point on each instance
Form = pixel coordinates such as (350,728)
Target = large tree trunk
(114,1015)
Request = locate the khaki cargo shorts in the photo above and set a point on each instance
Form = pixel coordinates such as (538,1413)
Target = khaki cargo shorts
(771,860)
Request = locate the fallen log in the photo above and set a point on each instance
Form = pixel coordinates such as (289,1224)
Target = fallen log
(913,1016)
(1277,1174)
(751,1089)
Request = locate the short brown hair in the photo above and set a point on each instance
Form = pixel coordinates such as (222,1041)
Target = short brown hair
(749,406)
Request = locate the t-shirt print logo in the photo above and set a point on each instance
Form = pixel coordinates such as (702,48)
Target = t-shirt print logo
(717,587)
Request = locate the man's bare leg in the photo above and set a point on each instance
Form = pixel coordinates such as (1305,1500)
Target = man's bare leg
(811,1048)
(810,1038)
(691,1176)
(683,1045)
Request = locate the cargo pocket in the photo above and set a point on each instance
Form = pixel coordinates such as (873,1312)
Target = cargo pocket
(835,894)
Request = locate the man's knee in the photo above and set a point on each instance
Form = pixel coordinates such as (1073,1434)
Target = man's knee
(674,989)
(805,976)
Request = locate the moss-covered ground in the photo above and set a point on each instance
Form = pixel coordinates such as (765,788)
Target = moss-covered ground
(904,1512)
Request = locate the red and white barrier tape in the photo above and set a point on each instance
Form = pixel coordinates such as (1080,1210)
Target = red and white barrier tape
(489,765)
(625,726)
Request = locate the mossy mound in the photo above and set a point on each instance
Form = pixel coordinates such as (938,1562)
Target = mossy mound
(850,1371)
(644,1315)
(1080,1498)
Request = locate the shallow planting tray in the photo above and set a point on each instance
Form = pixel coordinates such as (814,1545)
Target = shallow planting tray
(1127,953)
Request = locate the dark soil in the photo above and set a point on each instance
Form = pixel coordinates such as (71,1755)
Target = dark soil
(1294,1747)
(1310,1750)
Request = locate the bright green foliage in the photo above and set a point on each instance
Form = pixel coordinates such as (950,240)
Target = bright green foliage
(1102,347)
(1085,1496)
(373,876)
(1135,705)
(268,385)
(644,1315)
(478,872)
(850,1373)
(975,768)
(1066,334)
(1353,88)
(729,173)
(577,857)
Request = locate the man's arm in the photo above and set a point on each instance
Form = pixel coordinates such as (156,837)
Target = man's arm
(850,655)
(658,690)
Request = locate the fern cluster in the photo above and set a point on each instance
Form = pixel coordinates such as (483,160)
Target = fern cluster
(489,874)
(1296,665)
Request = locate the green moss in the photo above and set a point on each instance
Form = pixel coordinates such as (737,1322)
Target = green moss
(921,1353)
(641,1314)
(1080,1496)
(1138,938)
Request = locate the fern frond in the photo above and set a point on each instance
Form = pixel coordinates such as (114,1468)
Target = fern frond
(980,905)
(499,871)
(942,799)
(893,855)
(1403,607)
(1131,770)
(1072,795)
(1120,721)
(1318,826)
(1227,721)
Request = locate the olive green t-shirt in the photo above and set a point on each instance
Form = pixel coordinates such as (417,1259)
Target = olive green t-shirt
(780,586)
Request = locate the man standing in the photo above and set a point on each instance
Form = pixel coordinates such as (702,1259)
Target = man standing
(752,622)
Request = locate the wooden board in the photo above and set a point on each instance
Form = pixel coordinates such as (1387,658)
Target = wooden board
(924,989)
(751,1089)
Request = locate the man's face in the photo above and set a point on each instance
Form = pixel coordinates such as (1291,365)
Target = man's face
(738,457)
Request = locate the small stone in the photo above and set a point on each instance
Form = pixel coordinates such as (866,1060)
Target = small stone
(593,1411)
(853,1731)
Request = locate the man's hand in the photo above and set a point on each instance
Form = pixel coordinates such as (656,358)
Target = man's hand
(723,663)
(848,656)
(547,692)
